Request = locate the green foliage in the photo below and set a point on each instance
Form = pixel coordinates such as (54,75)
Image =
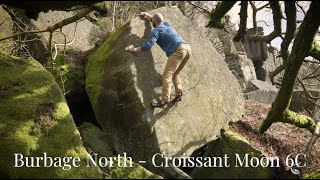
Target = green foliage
(35,118)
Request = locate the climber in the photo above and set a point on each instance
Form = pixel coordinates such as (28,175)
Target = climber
(177,51)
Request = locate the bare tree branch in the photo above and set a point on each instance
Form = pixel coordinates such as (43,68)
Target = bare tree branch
(290,10)
(311,75)
(243,21)
(198,7)
(276,11)
(300,7)
(217,14)
(264,6)
(254,17)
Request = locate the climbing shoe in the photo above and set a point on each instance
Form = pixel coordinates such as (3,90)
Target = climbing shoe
(177,98)
(159,105)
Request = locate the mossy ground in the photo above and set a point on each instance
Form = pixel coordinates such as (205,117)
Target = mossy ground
(24,87)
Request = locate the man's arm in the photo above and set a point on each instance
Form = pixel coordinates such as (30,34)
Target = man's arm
(149,43)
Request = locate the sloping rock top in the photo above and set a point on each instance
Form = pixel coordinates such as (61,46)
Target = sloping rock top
(121,85)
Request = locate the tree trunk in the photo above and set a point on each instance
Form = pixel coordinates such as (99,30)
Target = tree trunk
(301,47)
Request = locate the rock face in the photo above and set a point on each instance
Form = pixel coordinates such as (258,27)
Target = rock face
(35,119)
(98,141)
(95,139)
(121,86)
(262,96)
(6,26)
(299,103)
(259,85)
(231,144)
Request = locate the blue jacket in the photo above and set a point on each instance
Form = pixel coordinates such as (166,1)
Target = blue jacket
(166,37)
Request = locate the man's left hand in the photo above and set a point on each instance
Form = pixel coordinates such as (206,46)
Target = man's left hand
(130,48)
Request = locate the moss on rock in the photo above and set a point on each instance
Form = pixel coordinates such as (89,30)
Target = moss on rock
(230,144)
(134,172)
(73,78)
(314,175)
(97,63)
(31,100)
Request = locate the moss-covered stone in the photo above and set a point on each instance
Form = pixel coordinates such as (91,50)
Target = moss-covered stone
(69,78)
(134,172)
(35,118)
(231,144)
(314,175)
(94,83)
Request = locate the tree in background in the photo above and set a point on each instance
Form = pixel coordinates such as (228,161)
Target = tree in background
(304,45)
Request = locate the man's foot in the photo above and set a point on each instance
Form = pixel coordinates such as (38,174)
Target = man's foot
(159,104)
(177,98)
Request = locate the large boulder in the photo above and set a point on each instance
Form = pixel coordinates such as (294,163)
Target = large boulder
(35,119)
(121,86)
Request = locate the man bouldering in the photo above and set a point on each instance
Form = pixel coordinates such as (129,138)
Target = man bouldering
(177,51)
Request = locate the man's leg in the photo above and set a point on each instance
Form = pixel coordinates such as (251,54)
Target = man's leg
(172,65)
(176,78)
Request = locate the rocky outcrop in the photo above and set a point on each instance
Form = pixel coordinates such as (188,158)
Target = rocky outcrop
(233,52)
(261,96)
(260,91)
(259,85)
(35,119)
(235,147)
(121,86)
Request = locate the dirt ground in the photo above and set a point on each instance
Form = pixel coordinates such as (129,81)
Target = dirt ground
(280,140)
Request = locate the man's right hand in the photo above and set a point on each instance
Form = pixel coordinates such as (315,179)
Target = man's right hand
(142,14)
(145,15)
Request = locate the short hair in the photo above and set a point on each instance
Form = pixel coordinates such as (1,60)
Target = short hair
(158,18)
